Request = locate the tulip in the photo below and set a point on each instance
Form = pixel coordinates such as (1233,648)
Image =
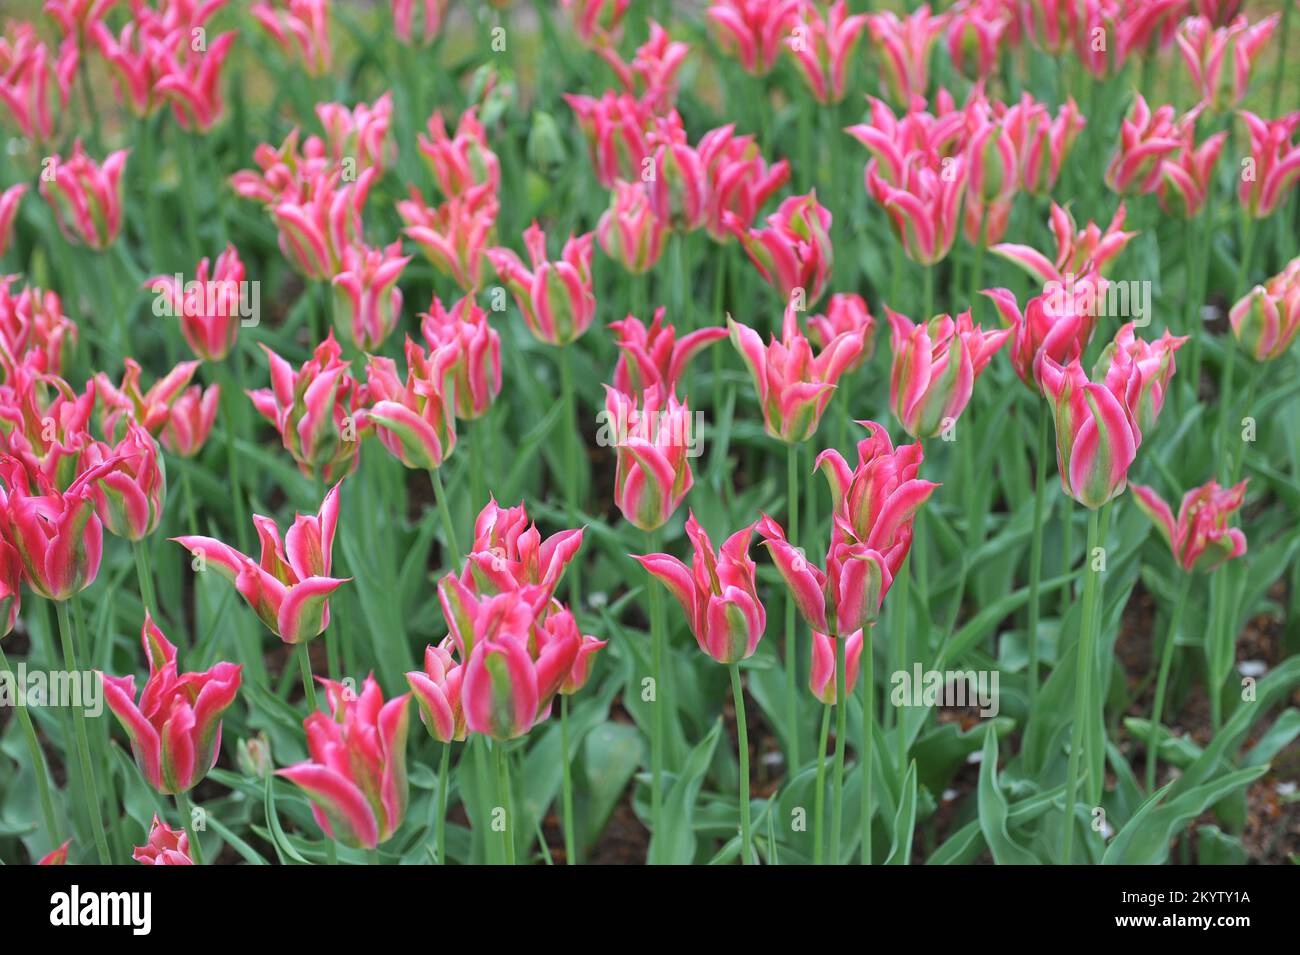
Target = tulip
(367,301)
(652,74)
(1200,538)
(1220,60)
(301,28)
(793,386)
(33,328)
(509,554)
(1267,318)
(822,44)
(355,775)
(616,129)
(975,32)
(925,206)
(175,729)
(436,689)
(289,588)
(316,409)
(738,181)
(934,368)
(477,347)
(58,856)
(86,197)
(629,231)
(461,163)
(473,618)
(1079,252)
(821,675)
(794,252)
(191,420)
(904,45)
(556,298)
(75,18)
(993,173)
(404,16)
(150,408)
(57,535)
(26,72)
(321,220)
(582,663)
(43,422)
(1147,138)
(1095,22)
(359,134)
(209,308)
(1144,368)
(678,189)
(597,22)
(455,235)
(165,846)
(192,83)
(892,140)
(1041,142)
(652,438)
(846,314)
(717,593)
(1274,163)
(9,200)
(415,420)
(655,356)
(752,31)
(1058,329)
(1186,176)
(1219,12)
(11,576)
(129,497)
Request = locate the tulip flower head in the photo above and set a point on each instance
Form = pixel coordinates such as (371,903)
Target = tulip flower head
(1220,60)
(975,30)
(1266,320)
(58,856)
(628,231)
(1060,329)
(1186,176)
(34,81)
(166,846)
(43,422)
(794,253)
(191,419)
(556,298)
(738,181)
(461,162)
(904,44)
(9,200)
(1199,538)
(86,197)
(616,127)
(477,346)
(846,314)
(653,436)
(414,419)
(751,31)
(934,368)
(301,28)
(175,728)
(597,22)
(652,74)
(679,188)
(508,553)
(454,236)
(717,593)
(151,408)
(129,497)
(355,773)
(821,672)
(431,16)
(655,355)
(1079,252)
(359,134)
(436,690)
(33,327)
(1147,138)
(1273,166)
(209,308)
(1042,143)
(289,588)
(822,43)
(925,205)
(367,301)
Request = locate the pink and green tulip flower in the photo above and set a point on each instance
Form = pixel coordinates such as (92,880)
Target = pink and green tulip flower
(33,328)
(508,553)
(1042,143)
(752,31)
(556,298)
(190,420)
(655,356)
(1059,328)
(628,231)
(455,236)
(1147,138)
(166,846)
(822,41)
(301,28)
(821,672)
(904,45)
(209,307)
(846,314)
(367,301)
(461,162)
(464,329)
(1187,175)
(437,692)
(129,497)
(415,419)
(9,202)
(1220,60)
(86,197)
(739,181)
(794,251)
(652,436)
(1199,538)
(1078,251)
(1266,320)
(35,82)
(1274,160)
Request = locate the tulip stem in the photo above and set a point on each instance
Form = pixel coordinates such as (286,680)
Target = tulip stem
(1083,679)
(448,525)
(144,573)
(1036,549)
(572,454)
(868,667)
(791,652)
(1162,681)
(1230,344)
(91,791)
(308,687)
(841,734)
(819,795)
(38,765)
(657,714)
(503,793)
(187,820)
(1281,60)
(742,752)
(570,851)
(440,824)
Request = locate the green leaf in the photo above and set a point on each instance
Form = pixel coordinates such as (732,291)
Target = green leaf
(676,844)
(993,810)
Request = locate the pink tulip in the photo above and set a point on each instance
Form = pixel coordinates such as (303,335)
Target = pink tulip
(822,43)
(1186,176)
(628,231)
(1200,538)
(301,28)
(456,235)
(794,386)
(616,127)
(752,31)
(58,538)
(463,162)
(43,422)
(191,419)
(359,134)
(1144,368)
(367,301)
(209,307)
(129,497)
(33,327)
(821,673)
(925,206)
(477,346)
(678,189)
(282,170)
(165,846)
(1219,12)
(414,419)
(975,31)
(794,252)
(1266,320)
(26,74)
(652,74)
(75,18)
(1058,328)
(1220,60)
(892,140)
(1146,139)
(652,437)
(556,298)
(717,593)
(1079,252)
(289,588)
(316,410)
(934,368)
(127,401)
(583,662)
(1099,43)
(473,618)
(509,554)
(11,578)
(321,219)
(1274,163)
(9,200)
(191,83)
(436,689)
(738,181)
(655,356)
(355,773)
(904,45)
(86,198)
(597,22)
(433,12)
(993,173)
(58,856)
(175,729)
(846,314)
(1052,24)
(1041,142)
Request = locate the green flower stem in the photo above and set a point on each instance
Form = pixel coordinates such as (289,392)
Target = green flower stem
(742,751)
(868,677)
(572,453)
(1083,678)
(144,574)
(91,791)
(308,685)
(1162,681)
(440,824)
(503,794)
(898,620)
(187,820)
(570,849)
(1230,344)
(448,525)
(41,771)
(841,740)
(657,714)
(1285,27)
(819,795)
(1036,548)
(791,644)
